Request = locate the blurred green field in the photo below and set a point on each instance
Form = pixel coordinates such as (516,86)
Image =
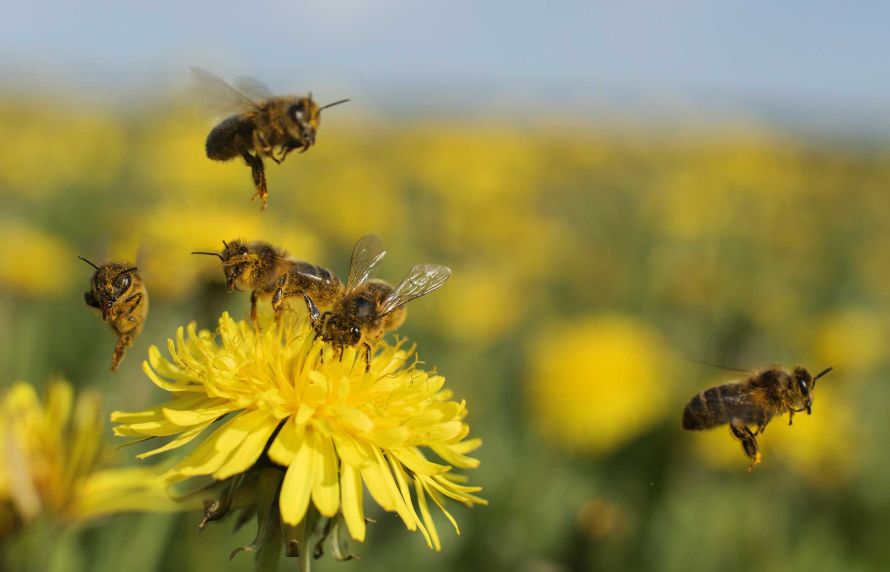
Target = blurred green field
(591,264)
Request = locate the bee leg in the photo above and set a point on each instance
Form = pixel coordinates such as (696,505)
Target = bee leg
(749,442)
(124,341)
(367,356)
(314,314)
(278,298)
(790,417)
(253,310)
(259,175)
(285,150)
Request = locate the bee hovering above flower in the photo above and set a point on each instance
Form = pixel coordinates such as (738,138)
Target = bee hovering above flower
(367,309)
(119,292)
(754,401)
(261,124)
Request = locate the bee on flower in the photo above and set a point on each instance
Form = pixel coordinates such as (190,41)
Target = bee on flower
(282,419)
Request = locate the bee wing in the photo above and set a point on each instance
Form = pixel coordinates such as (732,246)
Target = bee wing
(367,253)
(420,281)
(253,88)
(218,97)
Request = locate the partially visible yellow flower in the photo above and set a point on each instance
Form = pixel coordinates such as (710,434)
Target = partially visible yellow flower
(331,426)
(39,265)
(52,457)
(598,383)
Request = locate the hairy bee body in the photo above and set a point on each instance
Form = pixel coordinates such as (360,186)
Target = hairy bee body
(754,401)
(227,140)
(264,126)
(268,272)
(363,310)
(368,308)
(321,285)
(120,293)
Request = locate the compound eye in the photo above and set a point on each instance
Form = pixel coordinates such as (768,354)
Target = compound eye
(355,331)
(123,282)
(298,112)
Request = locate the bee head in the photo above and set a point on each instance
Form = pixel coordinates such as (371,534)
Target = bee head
(234,257)
(341,330)
(304,118)
(802,385)
(110,283)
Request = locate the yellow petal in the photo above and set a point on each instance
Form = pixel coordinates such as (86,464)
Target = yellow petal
(427,518)
(326,492)
(286,444)
(351,499)
(249,451)
(298,482)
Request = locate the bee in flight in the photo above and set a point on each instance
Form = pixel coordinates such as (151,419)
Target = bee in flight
(266,270)
(754,401)
(261,124)
(368,308)
(119,292)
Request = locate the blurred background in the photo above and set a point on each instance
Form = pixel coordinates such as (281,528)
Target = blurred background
(620,189)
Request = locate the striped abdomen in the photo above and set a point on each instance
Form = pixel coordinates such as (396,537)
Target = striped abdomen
(228,139)
(722,404)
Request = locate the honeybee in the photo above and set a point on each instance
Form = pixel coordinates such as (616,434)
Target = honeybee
(764,394)
(119,292)
(369,308)
(267,270)
(262,124)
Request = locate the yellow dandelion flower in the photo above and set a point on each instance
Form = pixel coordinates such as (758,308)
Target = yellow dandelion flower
(596,384)
(51,461)
(282,398)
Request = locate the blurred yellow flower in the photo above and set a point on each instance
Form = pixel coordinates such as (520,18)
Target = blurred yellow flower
(597,383)
(330,425)
(51,457)
(40,264)
(38,165)
(852,340)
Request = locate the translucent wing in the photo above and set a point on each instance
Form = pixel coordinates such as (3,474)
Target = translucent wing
(253,88)
(217,97)
(367,253)
(420,281)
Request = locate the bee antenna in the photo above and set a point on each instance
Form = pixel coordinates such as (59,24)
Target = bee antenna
(821,373)
(217,254)
(331,104)
(88,262)
(226,244)
(717,365)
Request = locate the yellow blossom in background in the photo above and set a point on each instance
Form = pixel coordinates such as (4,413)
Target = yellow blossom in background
(52,461)
(597,383)
(40,264)
(853,340)
(38,165)
(331,426)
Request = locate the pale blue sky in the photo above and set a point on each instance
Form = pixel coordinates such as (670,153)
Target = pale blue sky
(815,52)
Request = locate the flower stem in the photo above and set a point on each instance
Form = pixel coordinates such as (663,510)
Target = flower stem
(307,551)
